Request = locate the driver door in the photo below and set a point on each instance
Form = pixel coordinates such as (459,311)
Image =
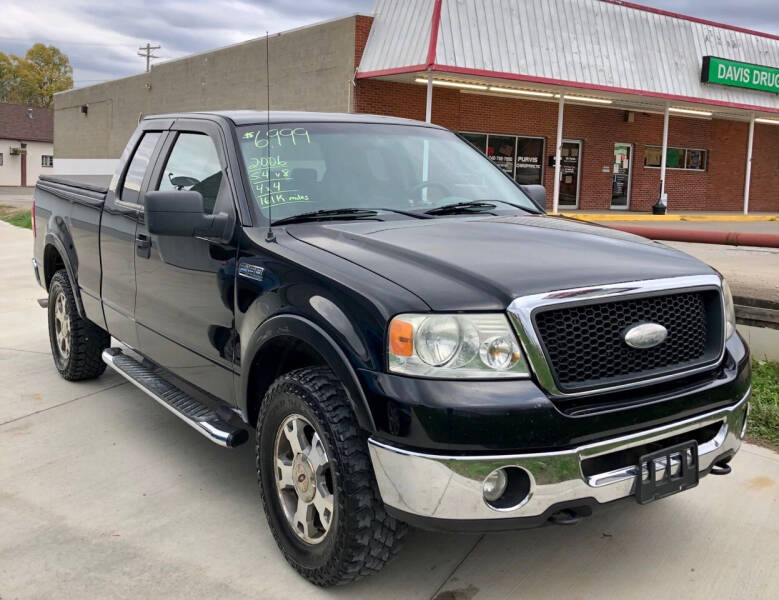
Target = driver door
(184,307)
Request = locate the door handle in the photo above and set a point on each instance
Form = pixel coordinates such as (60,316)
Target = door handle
(142,246)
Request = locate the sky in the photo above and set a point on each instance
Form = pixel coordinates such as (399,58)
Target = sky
(101,37)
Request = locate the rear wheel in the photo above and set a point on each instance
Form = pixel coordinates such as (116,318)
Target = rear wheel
(76,343)
(317,484)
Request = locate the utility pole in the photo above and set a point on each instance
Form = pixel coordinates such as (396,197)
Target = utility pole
(145,51)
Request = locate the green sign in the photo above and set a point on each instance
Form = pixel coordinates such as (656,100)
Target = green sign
(740,74)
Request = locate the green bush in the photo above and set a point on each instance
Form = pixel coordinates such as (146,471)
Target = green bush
(764,415)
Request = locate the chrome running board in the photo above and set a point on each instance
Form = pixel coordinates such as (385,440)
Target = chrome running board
(198,416)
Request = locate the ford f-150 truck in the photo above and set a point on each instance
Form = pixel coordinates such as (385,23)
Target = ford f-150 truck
(414,340)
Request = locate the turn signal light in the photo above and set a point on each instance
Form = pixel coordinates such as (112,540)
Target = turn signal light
(401,338)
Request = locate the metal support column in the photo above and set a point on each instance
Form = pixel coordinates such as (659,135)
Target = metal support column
(664,155)
(748,175)
(557,154)
(429,103)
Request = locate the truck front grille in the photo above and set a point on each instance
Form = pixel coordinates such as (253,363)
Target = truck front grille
(585,348)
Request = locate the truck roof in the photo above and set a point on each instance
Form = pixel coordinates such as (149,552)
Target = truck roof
(249,117)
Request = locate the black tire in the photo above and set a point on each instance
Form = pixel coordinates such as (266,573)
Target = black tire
(85,341)
(362,537)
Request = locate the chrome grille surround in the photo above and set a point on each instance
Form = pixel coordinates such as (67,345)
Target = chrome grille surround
(521,315)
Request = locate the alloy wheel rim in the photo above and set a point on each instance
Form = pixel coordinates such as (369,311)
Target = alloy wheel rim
(304,480)
(62,326)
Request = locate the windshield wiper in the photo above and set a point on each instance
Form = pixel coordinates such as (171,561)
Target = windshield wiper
(470,206)
(355,213)
(461,207)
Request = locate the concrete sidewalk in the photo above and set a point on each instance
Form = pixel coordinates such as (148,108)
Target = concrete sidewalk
(104,494)
(751,272)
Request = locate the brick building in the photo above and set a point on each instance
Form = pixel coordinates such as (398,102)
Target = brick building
(26,149)
(496,71)
(602,101)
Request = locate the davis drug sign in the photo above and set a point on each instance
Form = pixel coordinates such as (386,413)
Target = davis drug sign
(739,74)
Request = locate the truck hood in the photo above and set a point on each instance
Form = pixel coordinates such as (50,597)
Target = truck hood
(483,263)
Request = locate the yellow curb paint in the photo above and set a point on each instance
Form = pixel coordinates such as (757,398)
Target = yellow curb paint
(657,218)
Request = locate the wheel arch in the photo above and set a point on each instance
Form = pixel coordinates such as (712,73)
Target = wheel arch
(56,257)
(286,342)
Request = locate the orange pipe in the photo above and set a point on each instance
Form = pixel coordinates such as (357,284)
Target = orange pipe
(730,238)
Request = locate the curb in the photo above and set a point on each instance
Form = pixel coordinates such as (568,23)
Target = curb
(648,217)
(676,234)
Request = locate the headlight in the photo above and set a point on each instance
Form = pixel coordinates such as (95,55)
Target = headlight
(730,310)
(455,346)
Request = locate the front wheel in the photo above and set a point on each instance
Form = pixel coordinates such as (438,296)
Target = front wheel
(76,343)
(316,481)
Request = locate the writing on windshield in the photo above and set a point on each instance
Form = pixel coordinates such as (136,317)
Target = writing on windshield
(272,180)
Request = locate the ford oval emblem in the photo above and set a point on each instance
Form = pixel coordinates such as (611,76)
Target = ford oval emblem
(645,335)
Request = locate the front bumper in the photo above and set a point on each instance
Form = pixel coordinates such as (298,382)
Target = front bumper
(431,488)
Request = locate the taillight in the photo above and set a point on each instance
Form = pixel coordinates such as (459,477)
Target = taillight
(32,218)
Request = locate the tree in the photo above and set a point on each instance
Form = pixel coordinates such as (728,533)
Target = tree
(9,80)
(34,79)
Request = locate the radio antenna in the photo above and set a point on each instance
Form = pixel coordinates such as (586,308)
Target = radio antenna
(269,236)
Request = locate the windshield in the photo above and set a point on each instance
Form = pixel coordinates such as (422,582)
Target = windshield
(304,167)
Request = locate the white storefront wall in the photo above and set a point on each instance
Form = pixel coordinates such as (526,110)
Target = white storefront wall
(11,167)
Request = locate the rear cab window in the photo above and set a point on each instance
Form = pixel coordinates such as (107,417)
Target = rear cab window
(131,187)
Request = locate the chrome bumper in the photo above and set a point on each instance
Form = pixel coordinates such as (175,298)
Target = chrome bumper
(450,487)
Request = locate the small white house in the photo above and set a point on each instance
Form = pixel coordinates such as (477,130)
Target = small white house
(26,144)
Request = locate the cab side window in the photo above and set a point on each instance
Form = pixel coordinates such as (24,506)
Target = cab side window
(131,189)
(193,164)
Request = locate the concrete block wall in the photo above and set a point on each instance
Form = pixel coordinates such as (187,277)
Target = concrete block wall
(310,69)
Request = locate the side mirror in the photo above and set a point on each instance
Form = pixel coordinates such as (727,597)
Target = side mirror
(181,213)
(537,194)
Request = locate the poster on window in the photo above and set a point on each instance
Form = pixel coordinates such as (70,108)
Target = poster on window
(530,157)
(501,150)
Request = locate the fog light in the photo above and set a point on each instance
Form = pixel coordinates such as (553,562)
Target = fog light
(495,485)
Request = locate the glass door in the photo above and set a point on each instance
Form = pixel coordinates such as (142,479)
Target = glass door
(570,167)
(620,178)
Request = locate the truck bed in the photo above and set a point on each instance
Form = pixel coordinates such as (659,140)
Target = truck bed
(93,183)
(69,208)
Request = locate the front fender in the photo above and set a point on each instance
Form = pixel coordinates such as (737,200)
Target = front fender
(305,330)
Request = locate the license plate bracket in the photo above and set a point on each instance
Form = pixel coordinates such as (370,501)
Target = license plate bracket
(667,471)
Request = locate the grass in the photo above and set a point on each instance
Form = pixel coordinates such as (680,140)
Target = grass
(16,216)
(764,415)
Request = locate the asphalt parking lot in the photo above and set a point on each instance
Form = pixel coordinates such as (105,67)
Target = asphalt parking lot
(104,494)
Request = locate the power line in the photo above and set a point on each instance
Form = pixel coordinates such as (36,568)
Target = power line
(146,53)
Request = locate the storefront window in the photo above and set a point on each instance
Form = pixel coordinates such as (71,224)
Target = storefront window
(501,150)
(653,155)
(478,140)
(693,159)
(521,158)
(696,159)
(674,158)
(530,157)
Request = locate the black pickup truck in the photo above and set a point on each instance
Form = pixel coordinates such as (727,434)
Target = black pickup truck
(413,339)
